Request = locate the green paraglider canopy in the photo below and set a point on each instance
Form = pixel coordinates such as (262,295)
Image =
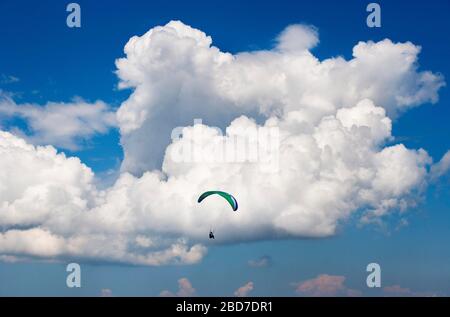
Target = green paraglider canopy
(231,200)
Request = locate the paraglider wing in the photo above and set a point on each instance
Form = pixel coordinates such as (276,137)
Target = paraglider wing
(231,200)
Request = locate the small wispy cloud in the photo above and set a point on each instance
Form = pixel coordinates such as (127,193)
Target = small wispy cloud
(440,168)
(399,291)
(8,79)
(185,289)
(81,121)
(263,261)
(244,290)
(106,292)
(325,285)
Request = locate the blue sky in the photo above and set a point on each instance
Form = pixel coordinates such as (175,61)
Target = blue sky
(56,63)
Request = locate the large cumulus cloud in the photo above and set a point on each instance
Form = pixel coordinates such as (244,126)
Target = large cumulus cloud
(329,162)
(177,75)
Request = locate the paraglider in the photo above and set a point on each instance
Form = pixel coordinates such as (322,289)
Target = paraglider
(231,200)
(228,197)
